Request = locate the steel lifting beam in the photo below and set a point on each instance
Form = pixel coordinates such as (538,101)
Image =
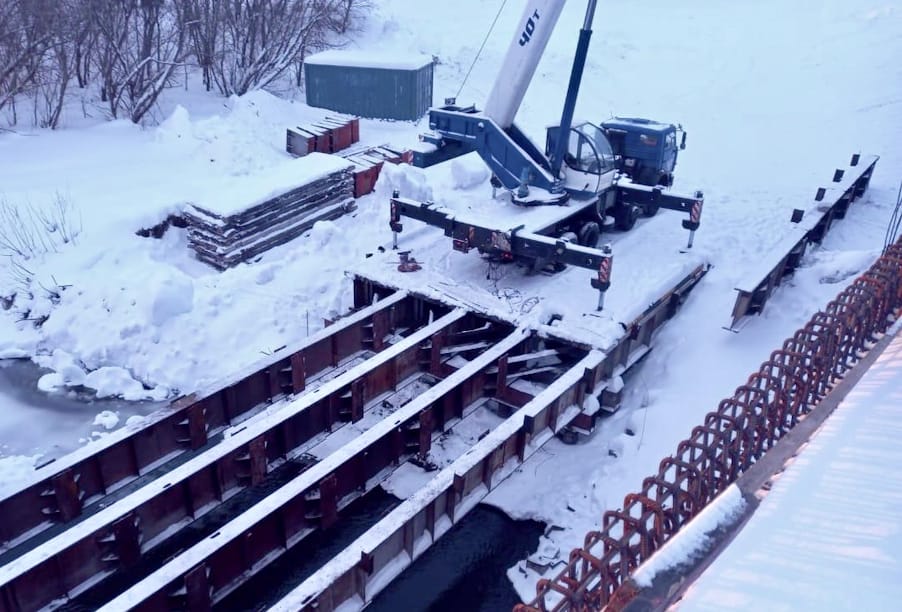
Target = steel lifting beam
(248,543)
(651,199)
(512,245)
(359,572)
(63,491)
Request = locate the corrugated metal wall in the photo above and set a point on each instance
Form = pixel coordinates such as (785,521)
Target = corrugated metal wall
(370,92)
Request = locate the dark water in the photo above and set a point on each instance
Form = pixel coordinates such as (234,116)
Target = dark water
(50,424)
(314,551)
(466,569)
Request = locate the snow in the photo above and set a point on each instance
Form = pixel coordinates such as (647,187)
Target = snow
(827,534)
(469,171)
(239,193)
(174,296)
(369,59)
(774,96)
(694,537)
(113,381)
(107,419)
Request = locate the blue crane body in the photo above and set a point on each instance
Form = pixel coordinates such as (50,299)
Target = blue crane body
(581,171)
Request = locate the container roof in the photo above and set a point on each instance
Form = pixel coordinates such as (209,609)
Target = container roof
(361,59)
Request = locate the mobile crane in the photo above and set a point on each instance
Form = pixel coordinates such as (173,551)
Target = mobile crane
(579,171)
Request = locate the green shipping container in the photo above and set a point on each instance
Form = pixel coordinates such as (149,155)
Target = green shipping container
(369,85)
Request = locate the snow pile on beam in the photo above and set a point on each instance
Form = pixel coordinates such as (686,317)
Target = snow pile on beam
(693,539)
(251,215)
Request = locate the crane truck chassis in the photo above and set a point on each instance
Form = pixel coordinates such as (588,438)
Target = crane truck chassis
(581,173)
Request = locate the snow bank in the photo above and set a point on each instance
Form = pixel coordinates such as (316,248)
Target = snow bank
(66,371)
(468,172)
(172,295)
(111,381)
(408,181)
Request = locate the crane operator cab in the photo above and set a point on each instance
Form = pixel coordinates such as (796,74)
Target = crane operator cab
(589,161)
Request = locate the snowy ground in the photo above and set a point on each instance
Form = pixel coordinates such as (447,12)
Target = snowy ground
(774,96)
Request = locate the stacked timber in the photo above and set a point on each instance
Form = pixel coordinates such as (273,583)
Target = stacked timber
(252,214)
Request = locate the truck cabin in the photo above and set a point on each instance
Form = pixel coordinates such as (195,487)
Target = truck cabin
(646,150)
(588,149)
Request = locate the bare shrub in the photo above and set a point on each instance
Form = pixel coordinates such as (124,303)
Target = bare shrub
(247,44)
(28,231)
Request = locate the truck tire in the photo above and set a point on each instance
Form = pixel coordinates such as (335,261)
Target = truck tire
(650,210)
(589,234)
(625,217)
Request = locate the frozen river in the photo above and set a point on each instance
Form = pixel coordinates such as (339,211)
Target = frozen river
(50,425)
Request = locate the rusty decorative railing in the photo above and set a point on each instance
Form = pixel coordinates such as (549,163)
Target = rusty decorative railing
(785,388)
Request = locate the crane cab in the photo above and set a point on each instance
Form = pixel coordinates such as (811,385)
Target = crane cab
(589,162)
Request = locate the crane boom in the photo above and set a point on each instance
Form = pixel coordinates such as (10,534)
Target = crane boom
(522,58)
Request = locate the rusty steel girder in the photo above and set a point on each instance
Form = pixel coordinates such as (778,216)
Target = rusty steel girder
(61,495)
(743,428)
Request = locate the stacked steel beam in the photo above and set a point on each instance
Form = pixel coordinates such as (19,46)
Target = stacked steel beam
(330,135)
(368,164)
(254,214)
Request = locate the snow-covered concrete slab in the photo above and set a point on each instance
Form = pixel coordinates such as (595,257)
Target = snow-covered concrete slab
(828,536)
(237,194)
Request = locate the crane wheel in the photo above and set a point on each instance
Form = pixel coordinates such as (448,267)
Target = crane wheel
(650,210)
(625,217)
(589,234)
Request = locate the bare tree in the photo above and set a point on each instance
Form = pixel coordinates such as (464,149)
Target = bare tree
(204,23)
(26,35)
(131,48)
(258,40)
(84,40)
(140,44)
(340,17)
